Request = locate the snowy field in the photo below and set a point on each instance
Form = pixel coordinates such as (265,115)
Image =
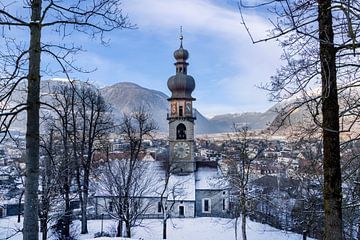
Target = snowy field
(178,229)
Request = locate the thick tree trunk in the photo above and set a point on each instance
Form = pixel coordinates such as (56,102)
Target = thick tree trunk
(119,229)
(330,113)
(31,225)
(44,231)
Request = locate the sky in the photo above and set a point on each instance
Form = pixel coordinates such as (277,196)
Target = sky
(226,66)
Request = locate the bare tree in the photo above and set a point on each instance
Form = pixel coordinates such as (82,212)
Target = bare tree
(91,123)
(59,121)
(307,213)
(237,172)
(128,180)
(171,189)
(21,60)
(351,179)
(47,178)
(319,38)
(126,202)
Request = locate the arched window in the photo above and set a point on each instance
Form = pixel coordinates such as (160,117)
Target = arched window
(181,131)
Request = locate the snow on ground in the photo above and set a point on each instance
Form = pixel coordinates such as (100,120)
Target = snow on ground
(178,229)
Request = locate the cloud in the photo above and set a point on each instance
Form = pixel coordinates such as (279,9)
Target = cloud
(234,66)
(193,14)
(109,71)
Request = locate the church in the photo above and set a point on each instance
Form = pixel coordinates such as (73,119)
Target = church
(210,197)
(203,192)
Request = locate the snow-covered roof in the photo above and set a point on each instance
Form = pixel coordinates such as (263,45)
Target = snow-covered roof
(183,186)
(209,179)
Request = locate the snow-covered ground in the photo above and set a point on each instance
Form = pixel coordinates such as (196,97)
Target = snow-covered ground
(178,229)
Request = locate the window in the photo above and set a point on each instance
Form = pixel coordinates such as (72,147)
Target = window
(224,204)
(181,131)
(159,207)
(206,205)
(181,211)
(180,111)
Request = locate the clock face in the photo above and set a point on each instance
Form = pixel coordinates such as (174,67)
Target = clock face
(182,149)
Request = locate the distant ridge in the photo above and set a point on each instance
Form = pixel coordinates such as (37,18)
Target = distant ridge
(126,96)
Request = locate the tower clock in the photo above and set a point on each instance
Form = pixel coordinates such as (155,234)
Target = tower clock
(181,115)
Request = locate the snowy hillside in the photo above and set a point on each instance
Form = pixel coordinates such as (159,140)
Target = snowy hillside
(178,229)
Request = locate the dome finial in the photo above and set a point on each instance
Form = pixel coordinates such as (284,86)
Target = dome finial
(181,37)
(181,54)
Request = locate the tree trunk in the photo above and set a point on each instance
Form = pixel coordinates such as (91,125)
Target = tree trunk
(304,234)
(46,185)
(164,229)
(31,225)
(84,229)
(330,113)
(243,216)
(128,229)
(236,228)
(67,218)
(119,229)
(243,226)
(44,229)
(19,206)
(84,202)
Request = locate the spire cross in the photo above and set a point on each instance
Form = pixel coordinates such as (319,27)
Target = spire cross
(181,36)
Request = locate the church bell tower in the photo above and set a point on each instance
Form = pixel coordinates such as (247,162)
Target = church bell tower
(181,116)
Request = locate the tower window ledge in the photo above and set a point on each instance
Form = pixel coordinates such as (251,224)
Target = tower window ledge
(181,118)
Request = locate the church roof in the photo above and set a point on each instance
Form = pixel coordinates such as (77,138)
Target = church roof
(181,85)
(208,178)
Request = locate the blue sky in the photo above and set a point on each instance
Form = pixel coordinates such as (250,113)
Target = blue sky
(226,66)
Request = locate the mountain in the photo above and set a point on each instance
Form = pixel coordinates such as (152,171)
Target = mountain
(254,120)
(296,112)
(124,97)
(19,97)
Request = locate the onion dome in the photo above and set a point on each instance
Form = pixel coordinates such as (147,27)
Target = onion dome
(181,85)
(181,54)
